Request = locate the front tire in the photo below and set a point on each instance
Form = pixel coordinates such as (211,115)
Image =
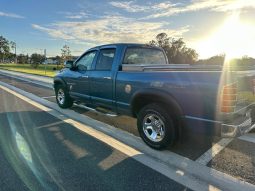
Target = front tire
(62,97)
(156,126)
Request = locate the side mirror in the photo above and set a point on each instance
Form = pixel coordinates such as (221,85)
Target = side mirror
(68,64)
(82,67)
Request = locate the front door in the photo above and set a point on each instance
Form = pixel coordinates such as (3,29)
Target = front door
(79,84)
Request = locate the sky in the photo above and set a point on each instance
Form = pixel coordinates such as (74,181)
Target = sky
(211,27)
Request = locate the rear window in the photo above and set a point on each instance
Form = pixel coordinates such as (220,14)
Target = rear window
(144,56)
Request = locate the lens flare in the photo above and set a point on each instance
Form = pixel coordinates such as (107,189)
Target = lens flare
(235,38)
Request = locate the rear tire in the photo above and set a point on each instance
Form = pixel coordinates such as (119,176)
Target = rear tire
(156,126)
(62,97)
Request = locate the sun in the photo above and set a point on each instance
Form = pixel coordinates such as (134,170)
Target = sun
(235,38)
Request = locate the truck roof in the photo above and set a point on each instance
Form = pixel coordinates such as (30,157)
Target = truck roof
(124,44)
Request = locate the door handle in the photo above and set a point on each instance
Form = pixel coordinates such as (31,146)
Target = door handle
(85,76)
(108,78)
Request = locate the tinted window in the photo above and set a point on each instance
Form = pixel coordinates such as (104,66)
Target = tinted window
(86,60)
(105,59)
(144,56)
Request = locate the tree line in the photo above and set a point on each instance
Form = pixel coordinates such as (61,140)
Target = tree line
(176,50)
(7,55)
(178,53)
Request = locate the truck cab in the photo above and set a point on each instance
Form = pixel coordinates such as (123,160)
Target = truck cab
(91,78)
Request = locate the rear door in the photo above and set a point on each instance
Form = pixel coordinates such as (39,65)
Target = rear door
(101,79)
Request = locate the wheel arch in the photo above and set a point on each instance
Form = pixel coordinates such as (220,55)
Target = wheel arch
(59,81)
(146,96)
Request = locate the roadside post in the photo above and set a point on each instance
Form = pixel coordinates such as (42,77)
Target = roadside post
(45,65)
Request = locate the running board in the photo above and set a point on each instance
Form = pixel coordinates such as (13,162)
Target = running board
(96,110)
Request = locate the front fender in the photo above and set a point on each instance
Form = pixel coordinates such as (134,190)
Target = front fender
(59,81)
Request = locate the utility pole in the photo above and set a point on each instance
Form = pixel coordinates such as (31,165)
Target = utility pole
(45,53)
(15,52)
(45,65)
(14,46)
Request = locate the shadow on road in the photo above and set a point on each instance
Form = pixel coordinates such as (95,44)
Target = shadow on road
(48,154)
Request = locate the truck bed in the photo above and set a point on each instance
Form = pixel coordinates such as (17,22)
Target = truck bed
(170,67)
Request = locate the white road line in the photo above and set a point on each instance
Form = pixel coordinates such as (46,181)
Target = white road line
(48,97)
(248,137)
(175,167)
(40,78)
(213,151)
(44,84)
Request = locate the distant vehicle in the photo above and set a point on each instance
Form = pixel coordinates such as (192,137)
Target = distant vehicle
(50,61)
(136,80)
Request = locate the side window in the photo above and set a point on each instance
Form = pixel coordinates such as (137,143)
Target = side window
(86,61)
(105,59)
(144,56)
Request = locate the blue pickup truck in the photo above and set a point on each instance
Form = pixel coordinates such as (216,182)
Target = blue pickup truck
(166,99)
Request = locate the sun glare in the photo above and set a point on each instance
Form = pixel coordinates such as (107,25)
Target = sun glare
(235,38)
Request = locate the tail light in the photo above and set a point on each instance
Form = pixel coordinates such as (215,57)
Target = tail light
(228,98)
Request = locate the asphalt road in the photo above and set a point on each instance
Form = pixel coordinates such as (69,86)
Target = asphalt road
(40,152)
(237,159)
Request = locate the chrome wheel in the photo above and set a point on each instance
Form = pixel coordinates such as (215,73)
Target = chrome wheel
(153,127)
(61,96)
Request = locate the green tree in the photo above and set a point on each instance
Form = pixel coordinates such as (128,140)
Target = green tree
(10,57)
(4,48)
(214,60)
(65,53)
(58,60)
(246,60)
(175,49)
(22,59)
(36,59)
